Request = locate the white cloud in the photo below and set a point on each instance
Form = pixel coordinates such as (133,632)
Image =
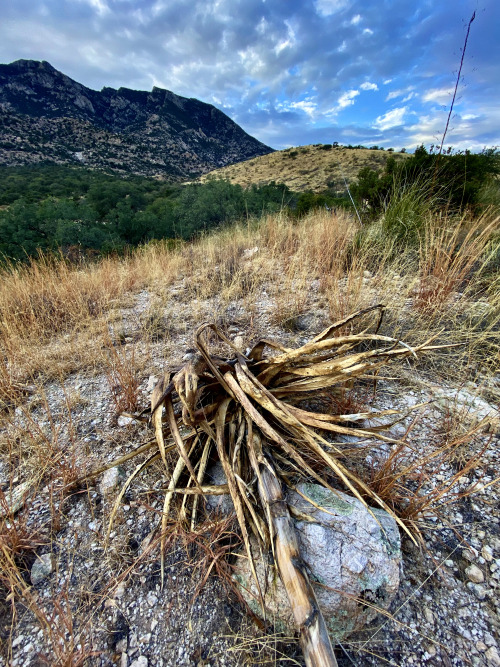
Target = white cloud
(387,82)
(262,26)
(408,97)
(398,93)
(367,31)
(282,45)
(393,94)
(288,42)
(464,132)
(438,95)
(390,119)
(356,19)
(329,7)
(427,130)
(158,8)
(347,99)
(307,106)
(100,6)
(368,86)
(251,61)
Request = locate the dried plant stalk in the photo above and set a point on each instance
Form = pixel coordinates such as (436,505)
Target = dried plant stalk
(233,405)
(314,639)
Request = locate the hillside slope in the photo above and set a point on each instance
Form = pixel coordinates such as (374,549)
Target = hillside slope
(82,343)
(46,116)
(315,167)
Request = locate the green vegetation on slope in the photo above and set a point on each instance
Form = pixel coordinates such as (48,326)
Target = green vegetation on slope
(82,211)
(405,193)
(51,207)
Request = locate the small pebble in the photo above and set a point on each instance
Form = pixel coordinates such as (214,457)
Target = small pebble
(151,599)
(474,574)
(492,656)
(141,661)
(41,568)
(487,553)
(125,421)
(121,646)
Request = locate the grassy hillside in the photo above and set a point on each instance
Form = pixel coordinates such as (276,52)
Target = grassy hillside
(317,167)
(82,343)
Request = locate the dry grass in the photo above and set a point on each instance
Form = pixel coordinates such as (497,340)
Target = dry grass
(55,319)
(121,372)
(38,455)
(450,255)
(68,648)
(305,167)
(47,305)
(404,477)
(50,311)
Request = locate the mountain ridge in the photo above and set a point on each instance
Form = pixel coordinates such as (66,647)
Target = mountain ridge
(47,116)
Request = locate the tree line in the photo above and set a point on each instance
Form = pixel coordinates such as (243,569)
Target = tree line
(453,181)
(51,207)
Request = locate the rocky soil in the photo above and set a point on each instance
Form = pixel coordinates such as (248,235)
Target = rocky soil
(106,603)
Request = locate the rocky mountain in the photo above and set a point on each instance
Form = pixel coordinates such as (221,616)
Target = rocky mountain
(46,116)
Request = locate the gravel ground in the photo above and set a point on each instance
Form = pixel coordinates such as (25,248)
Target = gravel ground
(107,607)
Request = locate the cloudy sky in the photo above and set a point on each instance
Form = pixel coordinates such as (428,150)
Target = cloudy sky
(290,72)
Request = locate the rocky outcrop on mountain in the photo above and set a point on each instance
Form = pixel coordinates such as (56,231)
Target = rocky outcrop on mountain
(46,116)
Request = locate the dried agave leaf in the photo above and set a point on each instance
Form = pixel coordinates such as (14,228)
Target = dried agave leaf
(140,468)
(247,407)
(174,429)
(201,475)
(233,488)
(350,318)
(157,399)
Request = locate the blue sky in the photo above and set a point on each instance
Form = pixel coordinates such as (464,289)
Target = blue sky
(289,72)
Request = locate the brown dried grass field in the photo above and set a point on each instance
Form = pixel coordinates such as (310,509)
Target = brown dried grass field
(111,324)
(49,309)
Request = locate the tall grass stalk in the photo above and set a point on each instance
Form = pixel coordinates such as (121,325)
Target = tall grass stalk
(451,255)
(409,205)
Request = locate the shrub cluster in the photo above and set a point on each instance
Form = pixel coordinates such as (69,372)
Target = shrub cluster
(75,209)
(454,181)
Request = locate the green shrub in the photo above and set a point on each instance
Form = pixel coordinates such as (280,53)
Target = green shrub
(450,183)
(96,212)
(407,207)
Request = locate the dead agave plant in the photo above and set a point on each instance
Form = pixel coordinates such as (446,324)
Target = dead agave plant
(246,411)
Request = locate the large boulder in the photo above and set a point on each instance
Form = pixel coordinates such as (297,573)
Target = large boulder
(353,556)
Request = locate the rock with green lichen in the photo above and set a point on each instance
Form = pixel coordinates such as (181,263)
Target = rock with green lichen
(353,558)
